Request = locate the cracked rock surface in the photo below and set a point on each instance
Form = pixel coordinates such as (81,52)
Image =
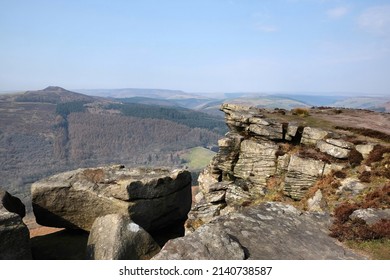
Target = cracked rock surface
(271,230)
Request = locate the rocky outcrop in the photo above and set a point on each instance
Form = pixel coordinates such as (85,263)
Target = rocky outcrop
(266,231)
(152,198)
(14,235)
(253,151)
(272,155)
(116,237)
(262,150)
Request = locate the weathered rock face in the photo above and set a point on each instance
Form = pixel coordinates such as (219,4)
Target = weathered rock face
(116,237)
(266,231)
(256,161)
(301,174)
(14,235)
(153,198)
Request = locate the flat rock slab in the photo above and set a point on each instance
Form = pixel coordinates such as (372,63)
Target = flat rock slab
(153,198)
(270,231)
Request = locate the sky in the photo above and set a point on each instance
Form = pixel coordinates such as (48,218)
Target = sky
(197,45)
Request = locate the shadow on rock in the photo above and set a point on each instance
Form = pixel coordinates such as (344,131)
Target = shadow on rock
(62,245)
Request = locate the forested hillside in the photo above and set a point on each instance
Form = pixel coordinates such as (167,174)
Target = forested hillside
(183,116)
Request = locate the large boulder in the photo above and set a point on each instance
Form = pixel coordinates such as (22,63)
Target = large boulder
(12,203)
(311,135)
(116,237)
(14,237)
(365,150)
(267,231)
(14,234)
(335,148)
(153,198)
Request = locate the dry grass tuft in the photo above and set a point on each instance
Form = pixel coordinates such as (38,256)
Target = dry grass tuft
(365,177)
(377,154)
(379,198)
(355,158)
(302,112)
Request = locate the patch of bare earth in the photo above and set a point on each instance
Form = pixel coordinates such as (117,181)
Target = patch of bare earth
(36,229)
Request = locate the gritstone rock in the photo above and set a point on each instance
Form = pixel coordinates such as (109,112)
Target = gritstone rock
(269,231)
(153,198)
(116,237)
(14,235)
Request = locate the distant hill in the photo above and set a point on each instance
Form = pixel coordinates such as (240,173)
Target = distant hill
(380,104)
(52,130)
(189,103)
(52,95)
(133,92)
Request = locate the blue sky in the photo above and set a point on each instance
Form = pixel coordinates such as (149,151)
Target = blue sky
(197,46)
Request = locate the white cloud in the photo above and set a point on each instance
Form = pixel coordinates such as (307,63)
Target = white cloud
(337,13)
(376,20)
(266,28)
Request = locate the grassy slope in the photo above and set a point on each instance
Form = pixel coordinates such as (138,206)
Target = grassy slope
(374,249)
(198,157)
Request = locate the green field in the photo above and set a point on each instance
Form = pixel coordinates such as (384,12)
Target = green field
(198,157)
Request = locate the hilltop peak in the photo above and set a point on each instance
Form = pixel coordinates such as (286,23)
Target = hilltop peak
(54,88)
